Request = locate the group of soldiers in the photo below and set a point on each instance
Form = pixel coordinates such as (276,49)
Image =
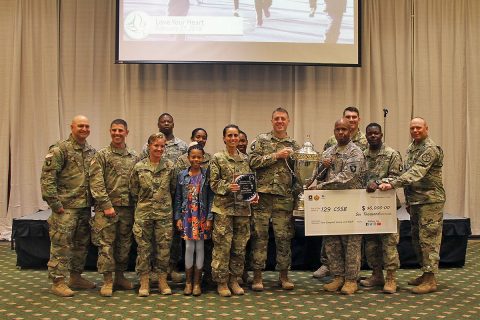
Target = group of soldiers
(75,177)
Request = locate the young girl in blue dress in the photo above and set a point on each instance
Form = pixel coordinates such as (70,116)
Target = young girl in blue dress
(193,217)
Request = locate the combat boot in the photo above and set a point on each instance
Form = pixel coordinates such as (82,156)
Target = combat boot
(349,287)
(120,282)
(335,284)
(188,281)
(417,281)
(107,289)
(59,288)
(223,290)
(257,284)
(144,290)
(163,285)
(77,281)
(321,272)
(428,285)
(197,279)
(375,280)
(390,283)
(285,283)
(235,287)
(174,274)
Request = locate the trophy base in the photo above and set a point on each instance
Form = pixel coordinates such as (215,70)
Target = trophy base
(299,213)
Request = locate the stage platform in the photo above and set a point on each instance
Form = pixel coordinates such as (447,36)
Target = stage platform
(31,243)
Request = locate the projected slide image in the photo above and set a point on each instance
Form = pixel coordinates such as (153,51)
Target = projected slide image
(291,21)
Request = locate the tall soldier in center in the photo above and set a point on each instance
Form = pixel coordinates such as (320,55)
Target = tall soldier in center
(269,156)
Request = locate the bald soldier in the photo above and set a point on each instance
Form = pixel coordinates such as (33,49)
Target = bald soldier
(345,165)
(425,198)
(65,187)
(352,115)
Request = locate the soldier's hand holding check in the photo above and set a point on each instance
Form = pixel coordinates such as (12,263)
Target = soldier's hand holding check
(385,186)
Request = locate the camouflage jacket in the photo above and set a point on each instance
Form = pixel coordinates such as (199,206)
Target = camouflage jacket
(182,162)
(64,180)
(358,138)
(223,170)
(383,165)
(109,174)
(273,175)
(173,149)
(152,189)
(347,169)
(422,178)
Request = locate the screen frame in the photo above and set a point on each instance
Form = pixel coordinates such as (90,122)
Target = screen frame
(358,64)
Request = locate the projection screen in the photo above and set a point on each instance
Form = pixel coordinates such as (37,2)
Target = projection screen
(310,32)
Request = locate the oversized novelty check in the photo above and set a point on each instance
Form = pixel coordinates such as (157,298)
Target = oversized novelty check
(355,211)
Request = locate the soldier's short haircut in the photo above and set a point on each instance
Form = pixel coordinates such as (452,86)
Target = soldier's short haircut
(119,121)
(228,126)
(282,110)
(194,132)
(155,136)
(372,125)
(424,121)
(351,109)
(195,147)
(242,132)
(165,114)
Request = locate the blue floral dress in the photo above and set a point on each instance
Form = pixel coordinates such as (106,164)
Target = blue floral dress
(194,220)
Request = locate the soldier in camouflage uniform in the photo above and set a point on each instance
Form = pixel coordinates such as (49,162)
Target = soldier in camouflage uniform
(383,164)
(231,229)
(353,116)
(345,165)
(152,186)
(174,148)
(65,187)
(269,155)
(425,197)
(112,225)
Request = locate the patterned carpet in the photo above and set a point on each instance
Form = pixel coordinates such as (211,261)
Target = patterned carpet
(24,295)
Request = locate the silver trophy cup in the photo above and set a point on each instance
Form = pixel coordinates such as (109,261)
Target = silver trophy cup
(306,159)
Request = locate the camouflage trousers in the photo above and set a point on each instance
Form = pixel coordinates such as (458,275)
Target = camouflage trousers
(113,237)
(274,207)
(427,222)
(150,234)
(344,255)
(230,236)
(381,250)
(69,240)
(248,249)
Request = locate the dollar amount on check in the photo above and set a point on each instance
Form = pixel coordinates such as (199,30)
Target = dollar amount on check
(338,212)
